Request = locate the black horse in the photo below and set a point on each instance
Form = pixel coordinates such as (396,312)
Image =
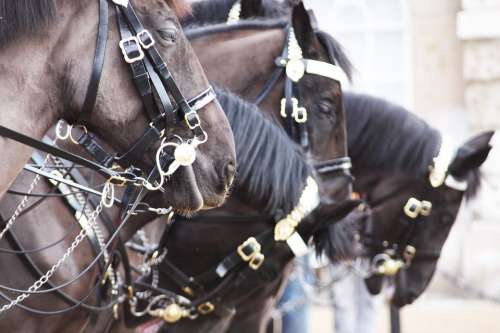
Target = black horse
(396,158)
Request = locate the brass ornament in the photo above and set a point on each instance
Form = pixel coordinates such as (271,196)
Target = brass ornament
(308,201)
(283,230)
(172,313)
(389,267)
(206,308)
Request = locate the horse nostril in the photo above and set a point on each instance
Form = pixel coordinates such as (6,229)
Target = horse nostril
(229,172)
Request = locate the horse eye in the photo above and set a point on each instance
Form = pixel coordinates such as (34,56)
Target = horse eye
(168,34)
(325,107)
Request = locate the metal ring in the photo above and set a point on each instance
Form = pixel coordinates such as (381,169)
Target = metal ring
(59,134)
(109,189)
(72,138)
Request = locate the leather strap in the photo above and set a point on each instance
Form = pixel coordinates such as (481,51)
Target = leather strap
(97,66)
(50,149)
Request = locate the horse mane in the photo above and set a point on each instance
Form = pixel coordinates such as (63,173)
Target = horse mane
(21,17)
(216,11)
(272,169)
(181,8)
(385,136)
(201,30)
(382,135)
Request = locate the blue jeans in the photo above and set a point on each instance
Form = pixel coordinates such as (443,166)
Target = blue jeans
(294,297)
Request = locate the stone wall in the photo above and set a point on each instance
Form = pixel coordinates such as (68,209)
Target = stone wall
(473,250)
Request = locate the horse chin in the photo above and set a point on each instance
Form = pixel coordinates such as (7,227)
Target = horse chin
(183,192)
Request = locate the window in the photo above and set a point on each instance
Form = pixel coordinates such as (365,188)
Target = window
(376,37)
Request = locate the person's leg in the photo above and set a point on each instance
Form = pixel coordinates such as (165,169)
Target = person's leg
(295,307)
(368,308)
(344,310)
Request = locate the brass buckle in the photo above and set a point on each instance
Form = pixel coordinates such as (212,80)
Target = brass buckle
(253,244)
(118,180)
(426,208)
(131,40)
(206,308)
(143,37)
(256,261)
(415,207)
(192,115)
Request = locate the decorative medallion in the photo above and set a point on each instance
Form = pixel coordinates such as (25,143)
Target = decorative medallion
(185,154)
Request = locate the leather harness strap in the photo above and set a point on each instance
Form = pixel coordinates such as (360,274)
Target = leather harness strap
(98,63)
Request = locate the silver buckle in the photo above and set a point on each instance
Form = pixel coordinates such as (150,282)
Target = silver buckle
(196,117)
(132,39)
(146,33)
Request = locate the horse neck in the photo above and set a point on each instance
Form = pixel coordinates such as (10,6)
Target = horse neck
(31,92)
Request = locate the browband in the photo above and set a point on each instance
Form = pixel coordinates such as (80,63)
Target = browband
(325,69)
(439,175)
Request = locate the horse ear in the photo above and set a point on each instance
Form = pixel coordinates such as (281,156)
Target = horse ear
(251,8)
(302,26)
(471,154)
(313,19)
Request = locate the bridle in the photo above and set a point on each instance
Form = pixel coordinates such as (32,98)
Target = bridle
(294,67)
(164,103)
(292,64)
(389,258)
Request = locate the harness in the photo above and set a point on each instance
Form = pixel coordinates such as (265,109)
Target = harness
(250,265)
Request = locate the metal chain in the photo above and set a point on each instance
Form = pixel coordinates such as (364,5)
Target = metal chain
(40,282)
(25,199)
